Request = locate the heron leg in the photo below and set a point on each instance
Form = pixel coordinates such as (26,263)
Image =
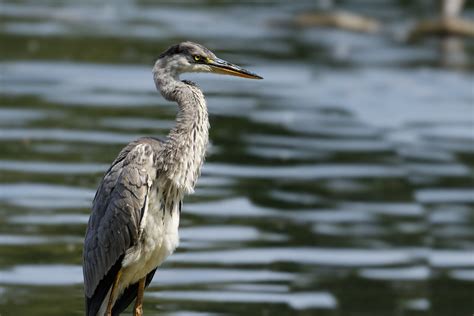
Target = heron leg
(113,292)
(138,309)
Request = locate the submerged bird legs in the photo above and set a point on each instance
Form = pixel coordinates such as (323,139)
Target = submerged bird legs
(113,294)
(138,308)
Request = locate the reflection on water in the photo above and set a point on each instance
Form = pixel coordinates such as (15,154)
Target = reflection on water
(339,185)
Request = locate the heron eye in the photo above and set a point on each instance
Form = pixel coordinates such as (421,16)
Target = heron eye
(197,57)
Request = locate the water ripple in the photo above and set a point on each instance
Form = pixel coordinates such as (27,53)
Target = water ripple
(51,167)
(298,300)
(414,273)
(306,172)
(302,255)
(66,135)
(40,195)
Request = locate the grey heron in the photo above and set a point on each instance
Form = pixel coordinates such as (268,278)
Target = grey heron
(134,221)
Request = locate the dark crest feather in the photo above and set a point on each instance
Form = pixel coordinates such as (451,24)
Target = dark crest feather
(187,48)
(172,50)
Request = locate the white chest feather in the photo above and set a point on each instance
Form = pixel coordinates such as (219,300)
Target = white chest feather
(158,237)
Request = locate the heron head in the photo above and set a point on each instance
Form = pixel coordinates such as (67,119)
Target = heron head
(193,57)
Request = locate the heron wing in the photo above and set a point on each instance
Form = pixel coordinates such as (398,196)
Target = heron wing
(114,224)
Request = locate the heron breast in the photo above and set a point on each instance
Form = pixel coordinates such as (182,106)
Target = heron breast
(159,238)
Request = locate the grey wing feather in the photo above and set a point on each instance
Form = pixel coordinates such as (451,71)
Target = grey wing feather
(117,209)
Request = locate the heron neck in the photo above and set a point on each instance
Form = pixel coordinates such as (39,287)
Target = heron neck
(184,150)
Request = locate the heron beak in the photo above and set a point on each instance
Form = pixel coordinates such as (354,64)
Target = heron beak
(220,66)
